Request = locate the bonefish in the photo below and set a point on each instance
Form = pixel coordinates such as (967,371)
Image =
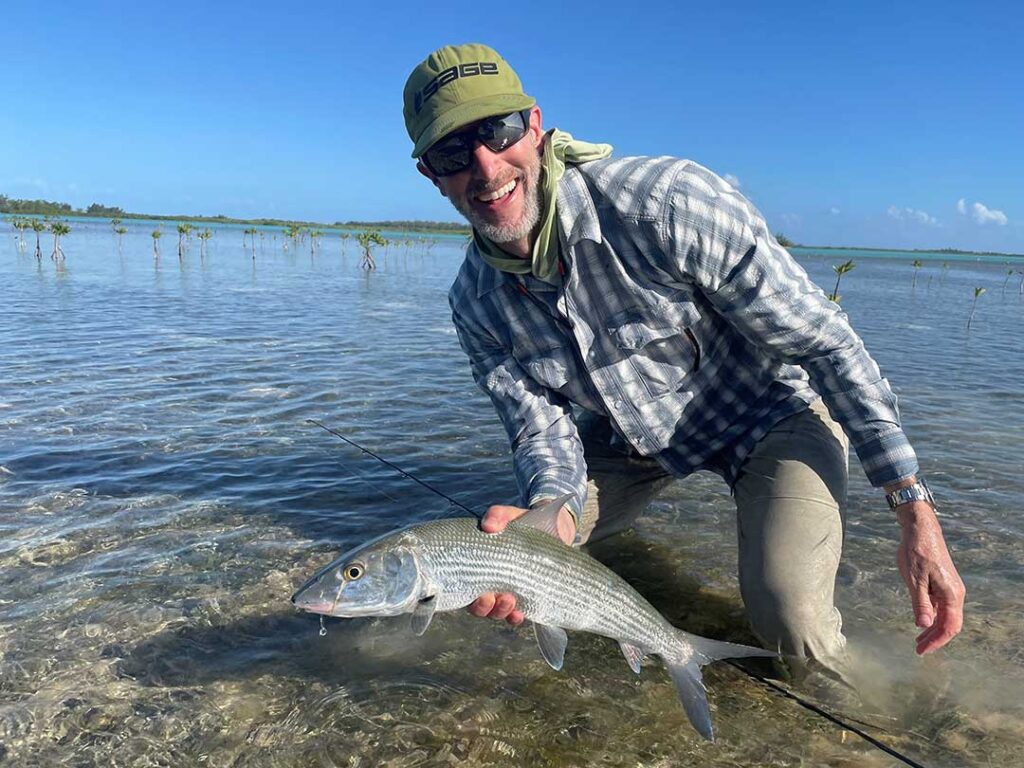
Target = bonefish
(446,564)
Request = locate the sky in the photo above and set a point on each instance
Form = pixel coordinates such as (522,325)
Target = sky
(864,123)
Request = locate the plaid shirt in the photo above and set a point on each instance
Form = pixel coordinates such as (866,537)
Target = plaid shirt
(680,318)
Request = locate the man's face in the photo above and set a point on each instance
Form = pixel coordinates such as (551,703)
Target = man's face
(499,193)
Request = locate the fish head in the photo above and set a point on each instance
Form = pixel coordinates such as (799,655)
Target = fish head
(380,578)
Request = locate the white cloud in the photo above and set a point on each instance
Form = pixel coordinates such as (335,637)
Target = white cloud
(733,180)
(981,213)
(912,214)
(834,211)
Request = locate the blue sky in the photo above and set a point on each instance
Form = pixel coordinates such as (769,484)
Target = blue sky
(875,124)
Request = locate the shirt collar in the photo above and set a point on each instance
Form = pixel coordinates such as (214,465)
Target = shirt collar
(577,218)
(577,215)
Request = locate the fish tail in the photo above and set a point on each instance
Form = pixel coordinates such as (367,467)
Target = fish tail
(685,674)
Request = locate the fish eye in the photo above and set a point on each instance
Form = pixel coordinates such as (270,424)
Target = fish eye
(353,571)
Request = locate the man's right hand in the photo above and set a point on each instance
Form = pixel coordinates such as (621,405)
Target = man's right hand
(502,605)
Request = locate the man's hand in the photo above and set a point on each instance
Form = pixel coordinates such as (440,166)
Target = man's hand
(502,605)
(936,590)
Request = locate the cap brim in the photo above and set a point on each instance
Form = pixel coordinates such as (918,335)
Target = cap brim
(467,113)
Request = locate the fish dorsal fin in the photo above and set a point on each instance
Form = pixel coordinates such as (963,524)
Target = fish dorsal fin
(552,642)
(634,656)
(423,613)
(545,517)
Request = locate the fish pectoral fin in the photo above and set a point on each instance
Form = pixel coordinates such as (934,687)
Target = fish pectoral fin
(693,695)
(634,656)
(423,613)
(545,517)
(552,642)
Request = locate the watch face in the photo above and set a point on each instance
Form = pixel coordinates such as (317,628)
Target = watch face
(919,491)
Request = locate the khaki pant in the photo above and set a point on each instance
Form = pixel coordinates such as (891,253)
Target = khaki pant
(789,521)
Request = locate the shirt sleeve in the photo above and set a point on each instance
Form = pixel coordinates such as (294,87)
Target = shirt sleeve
(547,453)
(714,235)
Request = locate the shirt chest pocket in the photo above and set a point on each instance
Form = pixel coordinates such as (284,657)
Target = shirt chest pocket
(661,343)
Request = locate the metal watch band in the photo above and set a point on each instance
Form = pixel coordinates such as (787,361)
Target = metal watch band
(919,491)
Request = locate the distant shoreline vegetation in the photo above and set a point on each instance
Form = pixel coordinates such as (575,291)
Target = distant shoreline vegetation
(15,207)
(785,242)
(950,251)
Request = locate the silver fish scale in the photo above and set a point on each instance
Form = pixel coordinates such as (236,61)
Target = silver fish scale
(554,584)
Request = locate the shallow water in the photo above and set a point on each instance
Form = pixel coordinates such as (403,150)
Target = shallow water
(161,495)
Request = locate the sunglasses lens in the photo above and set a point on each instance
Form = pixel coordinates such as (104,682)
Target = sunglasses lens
(449,156)
(455,152)
(499,133)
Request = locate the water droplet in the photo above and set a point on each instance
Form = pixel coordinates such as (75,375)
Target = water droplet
(323,629)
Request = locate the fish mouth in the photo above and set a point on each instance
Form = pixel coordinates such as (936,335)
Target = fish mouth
(315,597)
(324,607)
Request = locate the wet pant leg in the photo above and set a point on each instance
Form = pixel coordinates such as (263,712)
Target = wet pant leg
(789,523)
(789,498)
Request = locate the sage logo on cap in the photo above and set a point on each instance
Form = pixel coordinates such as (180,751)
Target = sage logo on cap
(462,70)
(457,85)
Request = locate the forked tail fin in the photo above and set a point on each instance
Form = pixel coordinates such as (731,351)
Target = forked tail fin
(687,678)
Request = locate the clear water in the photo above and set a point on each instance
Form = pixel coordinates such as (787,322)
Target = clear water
(161,495)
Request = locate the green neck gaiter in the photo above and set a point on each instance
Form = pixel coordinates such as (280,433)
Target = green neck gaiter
(559,148)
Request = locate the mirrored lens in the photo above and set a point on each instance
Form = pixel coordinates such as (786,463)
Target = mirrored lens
(454,153)
(449,156)
(499,133)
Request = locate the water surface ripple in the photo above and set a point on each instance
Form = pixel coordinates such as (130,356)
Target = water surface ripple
(161,495)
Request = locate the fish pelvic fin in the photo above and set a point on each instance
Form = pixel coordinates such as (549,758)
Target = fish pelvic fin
(423,613)
(689,684)
(552,642)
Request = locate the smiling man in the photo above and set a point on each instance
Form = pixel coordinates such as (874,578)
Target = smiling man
(634,321)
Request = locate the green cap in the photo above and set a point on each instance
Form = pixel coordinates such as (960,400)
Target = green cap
(458,85)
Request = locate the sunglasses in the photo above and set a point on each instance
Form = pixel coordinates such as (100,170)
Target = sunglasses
(454,152)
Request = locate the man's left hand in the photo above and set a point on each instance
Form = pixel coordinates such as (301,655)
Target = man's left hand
(936,589)
(502,605)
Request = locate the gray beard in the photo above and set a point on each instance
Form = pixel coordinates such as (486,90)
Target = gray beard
(527,222)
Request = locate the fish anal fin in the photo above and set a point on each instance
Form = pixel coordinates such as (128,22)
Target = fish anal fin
(634,656)
(693,695)
(552,642)
(423,613)
(545,517)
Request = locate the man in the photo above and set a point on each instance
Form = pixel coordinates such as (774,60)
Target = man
(633,321)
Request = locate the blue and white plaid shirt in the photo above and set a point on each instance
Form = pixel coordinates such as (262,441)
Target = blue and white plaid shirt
(680,318)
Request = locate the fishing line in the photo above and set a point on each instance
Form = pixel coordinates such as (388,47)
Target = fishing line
(364,477)
(395,467)
(834,719)
(828,716)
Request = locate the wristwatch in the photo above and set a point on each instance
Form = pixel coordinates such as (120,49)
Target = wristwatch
(919,491)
